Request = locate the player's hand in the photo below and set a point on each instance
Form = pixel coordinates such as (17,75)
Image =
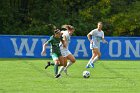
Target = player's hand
(43,53)
(105,42)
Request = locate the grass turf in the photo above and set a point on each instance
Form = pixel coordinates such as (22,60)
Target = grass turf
(29,76)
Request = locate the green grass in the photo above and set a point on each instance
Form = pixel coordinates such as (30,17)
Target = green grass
(29,76)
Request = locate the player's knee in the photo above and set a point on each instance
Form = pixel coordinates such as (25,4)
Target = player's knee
(94,56)
(56,62)
(73,60)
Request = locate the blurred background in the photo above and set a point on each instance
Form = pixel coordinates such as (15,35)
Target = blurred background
(33,17)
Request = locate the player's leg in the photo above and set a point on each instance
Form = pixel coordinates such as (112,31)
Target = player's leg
(67,56)
(71,59)
(95,50)
(94,54)
(49,63)
(65,61)
(56,61)
(61,59)
(92,46)
(97,56)
(56,66)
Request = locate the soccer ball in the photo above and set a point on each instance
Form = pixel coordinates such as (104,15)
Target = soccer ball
(86,74)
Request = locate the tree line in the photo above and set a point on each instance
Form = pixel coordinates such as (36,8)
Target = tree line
(33,17)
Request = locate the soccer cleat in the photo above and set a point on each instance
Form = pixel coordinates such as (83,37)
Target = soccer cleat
(58,75)
(87,66)
(48,64)
(92,65)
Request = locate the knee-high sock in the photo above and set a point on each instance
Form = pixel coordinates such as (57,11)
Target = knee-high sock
(89,62)
(95,59)
(68,65)
(55,69)
(61,69)
(92,60)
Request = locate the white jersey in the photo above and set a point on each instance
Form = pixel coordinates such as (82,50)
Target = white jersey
(66,34)
(96,37)
(65,51)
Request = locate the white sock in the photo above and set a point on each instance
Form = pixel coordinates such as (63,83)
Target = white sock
(61,69)
(89,62)
(68,65)
(95,59)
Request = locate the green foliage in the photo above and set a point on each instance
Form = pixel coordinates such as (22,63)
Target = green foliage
(127,23)
(32,17)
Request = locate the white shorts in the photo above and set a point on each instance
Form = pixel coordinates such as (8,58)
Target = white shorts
(93,45)
(65,52)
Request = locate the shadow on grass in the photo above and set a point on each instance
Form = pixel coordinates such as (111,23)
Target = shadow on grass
(45,73)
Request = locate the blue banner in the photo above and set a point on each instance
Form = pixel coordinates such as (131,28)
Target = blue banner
(118,48)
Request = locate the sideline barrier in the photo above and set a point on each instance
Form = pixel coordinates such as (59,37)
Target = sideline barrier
(118,48)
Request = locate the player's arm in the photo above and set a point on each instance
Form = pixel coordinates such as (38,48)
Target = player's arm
(64,41)
(104,41)
(44,47)
(89,36)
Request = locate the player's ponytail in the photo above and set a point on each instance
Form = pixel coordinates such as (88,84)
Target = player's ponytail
(68,27)
(56,31)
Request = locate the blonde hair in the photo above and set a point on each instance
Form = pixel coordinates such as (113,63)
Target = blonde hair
(68,27)
(100,23)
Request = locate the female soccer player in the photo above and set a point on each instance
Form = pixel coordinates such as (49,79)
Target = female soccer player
(55,51)
(65,51)
(97,35)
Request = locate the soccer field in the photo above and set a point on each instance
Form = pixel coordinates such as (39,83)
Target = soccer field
(29,76)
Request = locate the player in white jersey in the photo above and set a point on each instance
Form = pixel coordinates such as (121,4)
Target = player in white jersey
(65,51)
(66,34)
(97,35)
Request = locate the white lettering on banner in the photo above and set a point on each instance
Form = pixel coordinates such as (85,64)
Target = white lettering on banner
(111,48)
(47,47)
(24,43)
(82,44)
(126,47)
(129,46)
